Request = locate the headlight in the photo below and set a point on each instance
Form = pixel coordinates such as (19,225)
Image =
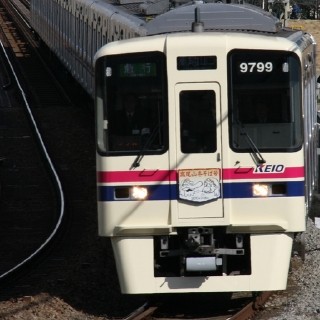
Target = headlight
(139,193)
(277,189)
(260,190)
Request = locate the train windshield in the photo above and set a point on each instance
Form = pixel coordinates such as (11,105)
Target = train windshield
(131,103)
(264,101)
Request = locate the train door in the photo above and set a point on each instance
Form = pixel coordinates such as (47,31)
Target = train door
(198,152)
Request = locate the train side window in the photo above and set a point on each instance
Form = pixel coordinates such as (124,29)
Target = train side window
(198,121)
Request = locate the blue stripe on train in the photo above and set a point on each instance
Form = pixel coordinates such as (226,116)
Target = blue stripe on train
(230,190)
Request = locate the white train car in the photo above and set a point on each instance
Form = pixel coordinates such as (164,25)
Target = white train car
(204,186)
(75,29)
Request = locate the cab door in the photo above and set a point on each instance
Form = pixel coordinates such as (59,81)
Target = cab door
(198,153)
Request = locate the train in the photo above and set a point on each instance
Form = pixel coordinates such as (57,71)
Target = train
(206,134)
(75,29)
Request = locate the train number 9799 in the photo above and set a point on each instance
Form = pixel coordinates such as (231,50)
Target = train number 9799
(256,67)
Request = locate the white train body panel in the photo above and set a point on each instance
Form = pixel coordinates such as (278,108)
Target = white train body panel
(268,222)
(270,264)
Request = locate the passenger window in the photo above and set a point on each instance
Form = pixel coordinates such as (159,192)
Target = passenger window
(198,121)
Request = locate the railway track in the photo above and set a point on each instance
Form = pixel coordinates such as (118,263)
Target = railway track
(76,267)
(35,211)
(25,180)
(34,58)
(232,309)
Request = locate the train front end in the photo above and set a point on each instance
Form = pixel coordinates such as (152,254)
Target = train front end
(204,189)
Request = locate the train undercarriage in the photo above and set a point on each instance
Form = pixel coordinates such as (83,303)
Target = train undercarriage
(202,251)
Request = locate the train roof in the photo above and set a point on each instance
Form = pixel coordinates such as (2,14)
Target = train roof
(214,16)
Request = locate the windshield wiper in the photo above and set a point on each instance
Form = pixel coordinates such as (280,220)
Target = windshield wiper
(256,155)
(151,138)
